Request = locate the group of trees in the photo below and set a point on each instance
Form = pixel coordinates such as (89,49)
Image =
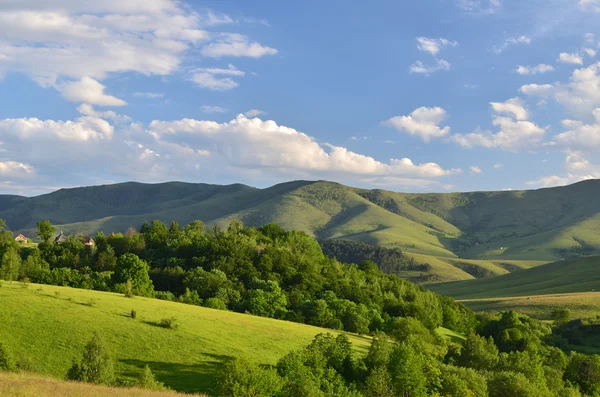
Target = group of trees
(281,274)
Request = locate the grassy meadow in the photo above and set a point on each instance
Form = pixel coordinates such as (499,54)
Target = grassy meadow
(32,385)
(46,328)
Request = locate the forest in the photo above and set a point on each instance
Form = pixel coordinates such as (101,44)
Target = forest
(272,272)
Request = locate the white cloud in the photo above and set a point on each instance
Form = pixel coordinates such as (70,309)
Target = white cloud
(88,110)
(543,90)
(555,180)
(420,68)
(498,165)
(433,46)
(253,143)
(61,41)
(590,5)
(579,135)
(254,112)
(575,59)
(514,106)
(511,42)
(423,122)
(187,149)
(236,45)
(483,7)
(475,170)
(589,52)
(578,169)
(149,95)
(539,69)
(88,90)
(212,109)
(514,133)
(207,78)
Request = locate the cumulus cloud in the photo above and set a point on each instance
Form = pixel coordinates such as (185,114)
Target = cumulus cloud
(575,59)
(511,42)
(514,106)
(211,78)
(254,112)
(539,69)
(514,134)
(421,68)
(433,46)
(541,90)
(423,122)
(579,135)
(64,41)
(88,90)
(475,170)
(185,149)
(236,45)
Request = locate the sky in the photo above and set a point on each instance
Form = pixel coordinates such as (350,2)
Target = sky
(414,96)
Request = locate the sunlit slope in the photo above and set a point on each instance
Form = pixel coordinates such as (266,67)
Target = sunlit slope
(48,327)
(566,276)
(497,230)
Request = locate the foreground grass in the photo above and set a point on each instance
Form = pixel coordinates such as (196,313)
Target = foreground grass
(31,385)
(46,327)
(581,305)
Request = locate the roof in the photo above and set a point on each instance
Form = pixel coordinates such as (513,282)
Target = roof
(61,238)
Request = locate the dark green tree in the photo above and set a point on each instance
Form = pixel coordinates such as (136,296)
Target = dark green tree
(131,267)
(11,264)
(45,230)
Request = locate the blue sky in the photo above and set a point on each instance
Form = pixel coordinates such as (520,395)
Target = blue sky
(435,95)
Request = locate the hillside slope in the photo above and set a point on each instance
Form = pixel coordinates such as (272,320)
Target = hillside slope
(498,230)
(567,276)
(47,327)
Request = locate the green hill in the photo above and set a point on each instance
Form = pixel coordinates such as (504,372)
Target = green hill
(46,327)
(573,284)
(567,276)
(492,232)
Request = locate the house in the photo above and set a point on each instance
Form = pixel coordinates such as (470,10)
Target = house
(21,239)
(88,241)
(61,238)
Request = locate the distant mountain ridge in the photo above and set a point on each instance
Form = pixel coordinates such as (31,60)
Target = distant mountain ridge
(544,225)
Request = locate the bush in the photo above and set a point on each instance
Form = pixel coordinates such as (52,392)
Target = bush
(133,314)
(96,365)
(165,295)
(242,377)
(215,303)
(148,381)
(170,323)
(7,362)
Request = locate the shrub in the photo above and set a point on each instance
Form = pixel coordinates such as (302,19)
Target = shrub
(133,314)
(215,303)
(164,295)
(96,365)
(170,323)
(57,294)
(7,362)
(148,381)
(128,289)
(242,377)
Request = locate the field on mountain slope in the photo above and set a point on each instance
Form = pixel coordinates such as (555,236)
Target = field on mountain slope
(47,327)
(569,283)
(31,385)
(497,230)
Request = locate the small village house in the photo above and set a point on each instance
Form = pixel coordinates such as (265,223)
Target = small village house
(21,239)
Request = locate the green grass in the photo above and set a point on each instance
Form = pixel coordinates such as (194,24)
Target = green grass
(567,276)
(48,326)
(581,304)
(572,284)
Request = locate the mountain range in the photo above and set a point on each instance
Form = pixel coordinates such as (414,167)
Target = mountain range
(461,235)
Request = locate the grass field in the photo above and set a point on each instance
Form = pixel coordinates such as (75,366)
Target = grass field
(48,326)
(581,305)
(572,284)
(32,385)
